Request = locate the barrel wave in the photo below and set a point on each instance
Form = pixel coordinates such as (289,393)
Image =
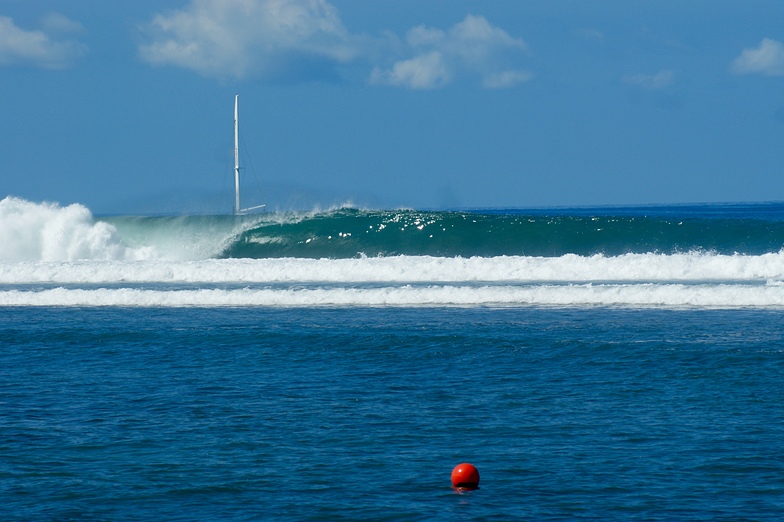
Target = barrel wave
(346,233)
(674,256)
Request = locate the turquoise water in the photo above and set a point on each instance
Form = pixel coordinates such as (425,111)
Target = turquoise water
(598,364)
(347,233)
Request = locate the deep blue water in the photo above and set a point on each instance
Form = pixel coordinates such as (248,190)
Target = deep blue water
(591,413)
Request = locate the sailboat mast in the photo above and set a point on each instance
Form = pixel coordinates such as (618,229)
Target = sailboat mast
(237,208)
(236,160)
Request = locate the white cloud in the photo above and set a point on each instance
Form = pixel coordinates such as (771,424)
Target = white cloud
(426,71)
(472,47)
(659,80)
(767,59)
(504,79)
(56,22)
(421,36)
(281,39)
(39,48)
(236,38)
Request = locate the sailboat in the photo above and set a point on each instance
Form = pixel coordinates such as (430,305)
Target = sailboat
(237,208)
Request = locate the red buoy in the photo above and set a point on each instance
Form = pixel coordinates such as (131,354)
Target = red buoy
(466,476)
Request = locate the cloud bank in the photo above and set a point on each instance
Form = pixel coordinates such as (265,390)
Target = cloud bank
(239,38)
(40,48)
(296,39)
(471,47)
(767,59)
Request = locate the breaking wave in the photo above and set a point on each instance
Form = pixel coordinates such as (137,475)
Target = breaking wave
(63,256)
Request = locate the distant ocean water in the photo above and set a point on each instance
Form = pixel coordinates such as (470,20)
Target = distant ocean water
(603,363)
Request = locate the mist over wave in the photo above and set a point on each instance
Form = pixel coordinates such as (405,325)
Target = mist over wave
(51,232)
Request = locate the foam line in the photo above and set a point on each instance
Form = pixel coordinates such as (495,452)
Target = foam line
(648,295)
(408,269)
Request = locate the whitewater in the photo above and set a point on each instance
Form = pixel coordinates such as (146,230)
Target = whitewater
(53,255)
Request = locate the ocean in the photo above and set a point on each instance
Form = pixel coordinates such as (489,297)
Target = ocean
(614,363)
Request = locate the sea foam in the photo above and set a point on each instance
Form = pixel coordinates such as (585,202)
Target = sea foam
(49,232)
(670,296)
(570,268)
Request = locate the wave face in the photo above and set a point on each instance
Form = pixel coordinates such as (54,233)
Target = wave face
(347,233)
(703,256)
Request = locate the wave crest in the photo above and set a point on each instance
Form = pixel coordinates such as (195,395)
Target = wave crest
(49,232)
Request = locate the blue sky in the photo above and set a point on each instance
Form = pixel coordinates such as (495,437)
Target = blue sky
(126,107)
